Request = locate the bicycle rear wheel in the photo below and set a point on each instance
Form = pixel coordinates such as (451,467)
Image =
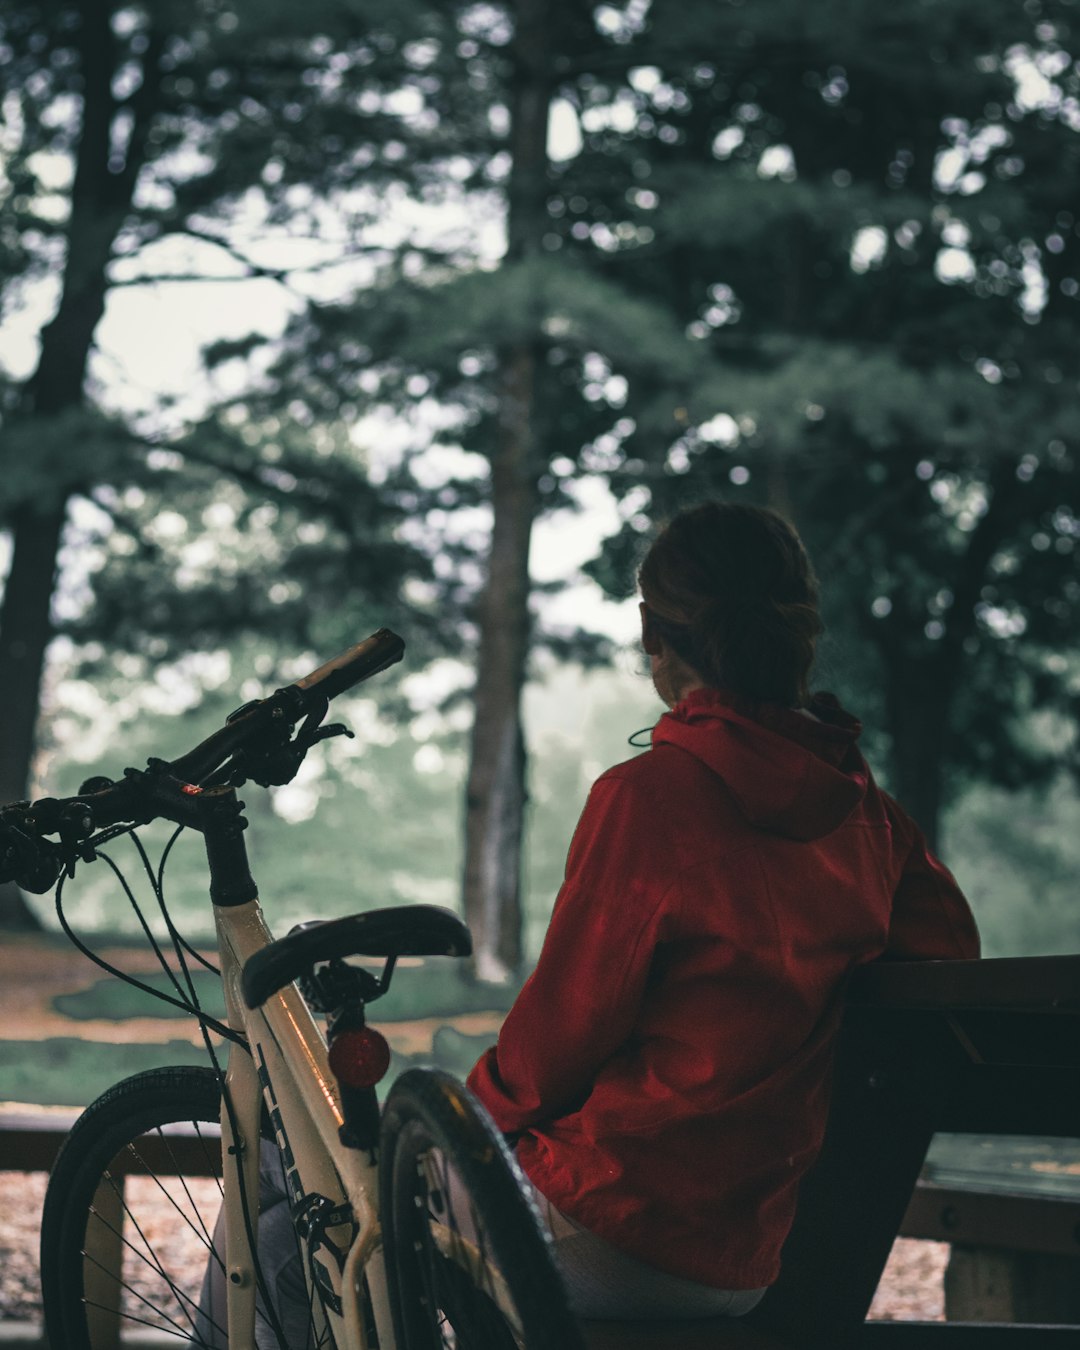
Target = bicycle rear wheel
(469,1262)
(129,1215)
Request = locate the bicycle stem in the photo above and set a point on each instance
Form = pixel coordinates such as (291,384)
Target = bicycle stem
(222,825)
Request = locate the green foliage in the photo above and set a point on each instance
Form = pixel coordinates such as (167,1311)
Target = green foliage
(362,829)
(377,820)
(1016,853)
(826,257)
(52,457)
(216,543)
(228,106)
(433,988)
(432,322)
(868,223)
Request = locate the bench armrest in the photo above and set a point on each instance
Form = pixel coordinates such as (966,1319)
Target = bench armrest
(1034,983)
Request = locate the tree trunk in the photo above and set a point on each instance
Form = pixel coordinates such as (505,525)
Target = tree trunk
(921,690)
(24,635)
(496,788)
(100,200)
(919,703)
(495,800)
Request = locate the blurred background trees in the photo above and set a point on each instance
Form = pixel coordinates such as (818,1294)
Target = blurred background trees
(126,127)
(534,255)
(885,279)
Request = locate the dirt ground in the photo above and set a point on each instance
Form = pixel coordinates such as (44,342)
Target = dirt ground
(911,1288)
(34,972)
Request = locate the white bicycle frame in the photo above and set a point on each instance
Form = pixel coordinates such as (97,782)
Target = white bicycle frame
(289,1053)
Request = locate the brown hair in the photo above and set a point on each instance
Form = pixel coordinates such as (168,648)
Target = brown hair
(731,591)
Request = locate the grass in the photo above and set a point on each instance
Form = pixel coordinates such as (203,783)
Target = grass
(68,1071)
(438,988)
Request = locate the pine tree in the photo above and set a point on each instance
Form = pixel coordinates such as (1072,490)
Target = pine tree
(528,355)
(868,217)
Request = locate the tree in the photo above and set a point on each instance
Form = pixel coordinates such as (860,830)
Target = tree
(761,268)
(495,792)
(168,114)
(870,224)
(527,357)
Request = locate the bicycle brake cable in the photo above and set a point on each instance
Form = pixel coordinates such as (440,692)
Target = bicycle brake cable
(185,1005)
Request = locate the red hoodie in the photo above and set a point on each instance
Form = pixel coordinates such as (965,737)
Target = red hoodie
(666,1063)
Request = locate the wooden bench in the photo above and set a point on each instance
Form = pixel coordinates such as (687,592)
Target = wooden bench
(1010,1210)
(989,1047)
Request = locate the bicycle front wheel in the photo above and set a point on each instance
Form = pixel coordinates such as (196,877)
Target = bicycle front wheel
(129,1214)
(469,1262)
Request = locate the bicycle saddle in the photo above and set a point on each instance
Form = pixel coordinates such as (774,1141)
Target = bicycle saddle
(402,930)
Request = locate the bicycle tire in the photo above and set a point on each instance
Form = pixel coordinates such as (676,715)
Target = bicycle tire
(130,1210)
(481,1280)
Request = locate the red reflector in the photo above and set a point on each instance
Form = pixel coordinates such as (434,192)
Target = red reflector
(191,789)
(359,1059)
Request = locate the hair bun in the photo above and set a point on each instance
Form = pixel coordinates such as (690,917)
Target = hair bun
(739,580)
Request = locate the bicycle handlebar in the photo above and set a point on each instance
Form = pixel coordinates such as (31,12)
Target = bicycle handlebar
(141,796)
(287,706)
(367,658)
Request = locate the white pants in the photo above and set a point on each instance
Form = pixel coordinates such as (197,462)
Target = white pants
(603,1282)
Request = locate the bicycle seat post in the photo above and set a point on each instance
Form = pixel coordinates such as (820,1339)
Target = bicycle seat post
(358,1054)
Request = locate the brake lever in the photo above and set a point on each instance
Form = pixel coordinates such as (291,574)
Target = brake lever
(280,765)
(334,729)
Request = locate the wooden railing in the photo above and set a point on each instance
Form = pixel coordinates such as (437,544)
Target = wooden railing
(30,1141)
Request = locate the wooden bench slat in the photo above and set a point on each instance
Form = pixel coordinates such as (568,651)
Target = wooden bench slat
(712,1333)
(985,1219)
(1048,983)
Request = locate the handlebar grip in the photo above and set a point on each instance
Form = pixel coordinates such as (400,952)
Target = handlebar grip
(375,653)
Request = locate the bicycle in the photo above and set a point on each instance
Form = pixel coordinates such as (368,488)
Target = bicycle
(413,1226)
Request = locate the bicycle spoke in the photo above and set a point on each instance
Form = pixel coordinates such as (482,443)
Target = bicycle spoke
(152,1264)
(146,1257)
(145,1322)
(187,1306)
(206,1241)
(130,1289)
(183,1182)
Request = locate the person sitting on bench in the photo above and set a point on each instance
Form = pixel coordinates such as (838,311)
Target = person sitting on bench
(665,1068)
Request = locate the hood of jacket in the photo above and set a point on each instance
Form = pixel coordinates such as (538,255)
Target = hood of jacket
(789,773)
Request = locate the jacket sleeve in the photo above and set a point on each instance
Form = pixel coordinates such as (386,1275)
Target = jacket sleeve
(931,919)
(581,1002)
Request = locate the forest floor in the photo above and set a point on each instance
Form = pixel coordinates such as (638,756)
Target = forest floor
(911,1289)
